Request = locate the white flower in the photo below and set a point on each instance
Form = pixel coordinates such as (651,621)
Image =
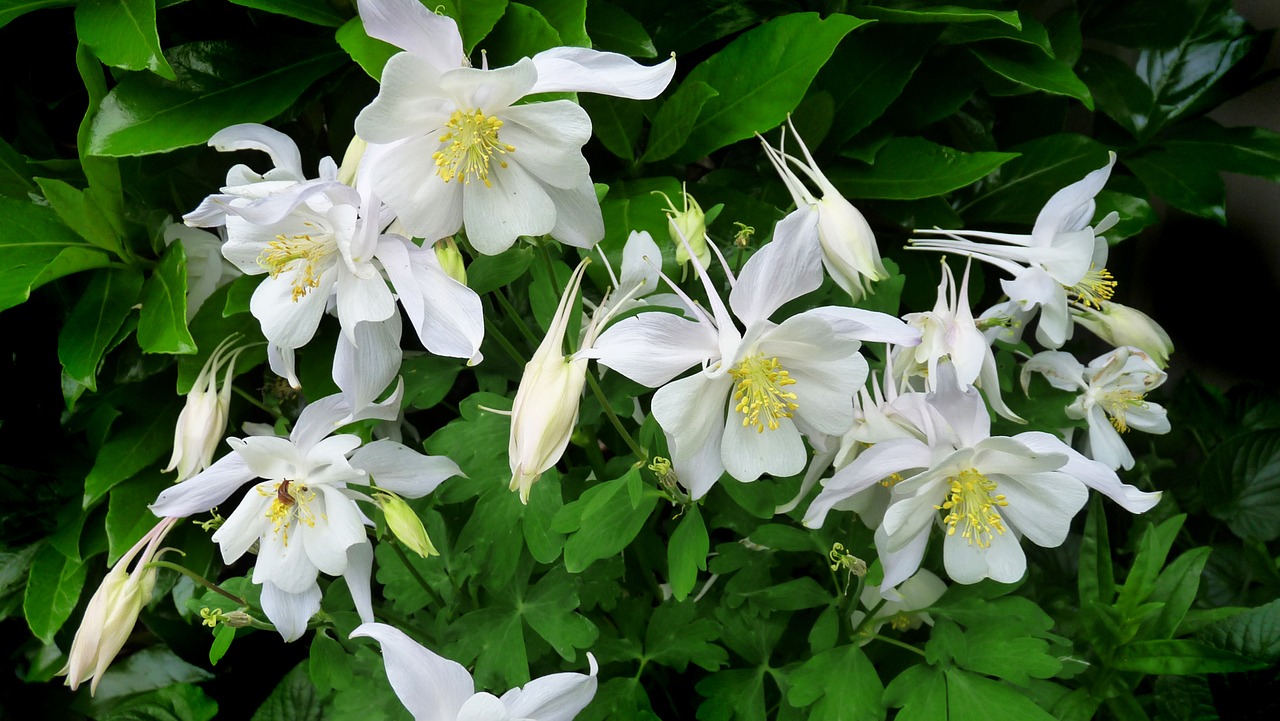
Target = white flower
(1112,399)
(450,147)
(433,688)
(989,491)
(778,381)
(113,610)
(849,249)
(303,515)
(1121,325)
(203,419)
(1064,259)
(901,608)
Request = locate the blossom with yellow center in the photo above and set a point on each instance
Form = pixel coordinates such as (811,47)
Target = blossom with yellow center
(759,392)
(472,141)
(971,505)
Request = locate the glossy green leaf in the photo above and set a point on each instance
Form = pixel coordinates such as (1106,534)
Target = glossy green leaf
(1150,23)
(316,12)
(105,191)
(128,518)
(78,210)
(293,699)
(1252,151)
(131,448)
(476,18)
(941,14)
(53,588)
(677,118)
(94,322)
(882,60)
(16,179)
(521,33)
(1241,481)
(1183,182)
(122,33)
(1180,657)
(613,29)
(837,685)
(160,686)
(162,321)
(37,247)
(615,121)
(369,53)
(908,168)
(1117,90)
(1023,185)
(568,17)
(1136,214)
(761,76)
(1033,69)
(1254,633)
(218,84)
(10,9)
(1032,33)
(602,523)
(687,553)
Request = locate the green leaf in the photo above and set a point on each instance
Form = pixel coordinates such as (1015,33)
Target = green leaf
(633,205)
(908,168)
(733,694)
(615,121)
(521,33)
(545,501)
(35,248)
(995,648)
(837,685)
(687,553)
(326,662)
(128,518)
(103,174)
(1136,214)
(1095,578)
(1252,151)
(156,669)
(676,119)
(761,76)
(494,638)
(10,9)
(94,321)
(568,17)
(369,53)
(1032,33)
(1241,480)
(921,693)
(476,18)
(122,33)
(130,449)
(676,637)
(488,273)
(218,84)
(1032,69)
(549,611)
(53,588)
(493,534)
(293,699)
(162,321)
(1153,549)
(793,595)
(222,639)
(1183,182)
(1254,633)
(1176,588)
(79,211)
(973,698)
(477,442)
(1117,90)
(16,179)
(428,379)
(602,522)
(613,29)
(1044,166)
(316,12)
(1180,657)
(178,702)
(941,14)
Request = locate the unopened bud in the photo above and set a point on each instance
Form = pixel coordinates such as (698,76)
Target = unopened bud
(689,223)
(405,524)
(451,259)
(351,161)
(1121,325)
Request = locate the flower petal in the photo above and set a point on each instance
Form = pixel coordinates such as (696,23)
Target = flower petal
(402,470)
(204,490)
(431,687)
(409,25)
(290,612)
(583,70)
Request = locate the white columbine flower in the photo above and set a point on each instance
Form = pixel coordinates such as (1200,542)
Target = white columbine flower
(849,249)
(1063,260)
(203,419)
(902,608)
(303,514)
(988,491)
(113,610)
(1113,389)
(758,389)
(433,688)
(450,147)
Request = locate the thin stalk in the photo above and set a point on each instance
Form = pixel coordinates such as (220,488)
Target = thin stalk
(613,418)
(511,311)
(404,558)
(501,339)
(200,580)
(255,401)
(896,642)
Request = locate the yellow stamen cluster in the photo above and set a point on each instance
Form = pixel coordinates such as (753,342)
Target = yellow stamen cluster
(891,480)
(759,392)
(901,622)
(971,503)
(472,139)
(1117,403)
(291,501)
(1095,287)
(285,251)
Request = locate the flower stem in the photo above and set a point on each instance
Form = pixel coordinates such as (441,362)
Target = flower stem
(200,580)
(501,339)
(404,558)
(255,401)
(613,418)
(511,311)
(896,642)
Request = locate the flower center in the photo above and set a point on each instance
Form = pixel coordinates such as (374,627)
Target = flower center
(291,501)
(1117,403)
(901,621)
(759,392)
(971,504)
(472,139)
(1096,286)
(286,252)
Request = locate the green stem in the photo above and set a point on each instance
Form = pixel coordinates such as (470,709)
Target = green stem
(870,615)
(404,558)
(613,418)
(492,330)
(200,580)
(511,311)
(896,642)
(255,401)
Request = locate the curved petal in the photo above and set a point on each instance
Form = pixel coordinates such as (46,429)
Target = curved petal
(404,175)
(777,273)
(548,139)
(204,490)
(290,612)
(748,453)
(254,136)
(1042,505)
(1002,561)
(366,363)
(558,697)
(402,470)
(583,70)
(653,347)
(691,413)
(1094,475)
(409,25)
(359,570)
(432,687)
(515,205)
(579,221)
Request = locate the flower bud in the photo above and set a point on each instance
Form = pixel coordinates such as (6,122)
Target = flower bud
(351,161)
(451,259)
(203,419)
(405,524)
(689,223)
(1121,325)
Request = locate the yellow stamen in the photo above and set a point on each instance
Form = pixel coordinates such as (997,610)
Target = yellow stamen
(1096,286)
(891,480)
(759,392)
(283,254)
(291,502)
(472,139)
(972,504)
(1117,403)
(901,622)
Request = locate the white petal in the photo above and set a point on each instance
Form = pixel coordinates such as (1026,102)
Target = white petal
(363,370)
(1003,561)
(446,314)
(558,697)
(900,563)
(432,687)
(516,205)
(1042,505)
(567,69)
(869,326)
(402,470)
(404,176)
(409,25)
(246,524)
(204,490)
(1071,208)
(290,612)
(287,320)
(691,413)
(359,569)
(748,454)
(252,136)
(1095,475)
(484,707)
(777,273)
(548,140)
(653,347)
(579,221)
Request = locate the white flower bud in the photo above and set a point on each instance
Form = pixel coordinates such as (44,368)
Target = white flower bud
(203,419)
(405,524)
(1121,326)
(689,223)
